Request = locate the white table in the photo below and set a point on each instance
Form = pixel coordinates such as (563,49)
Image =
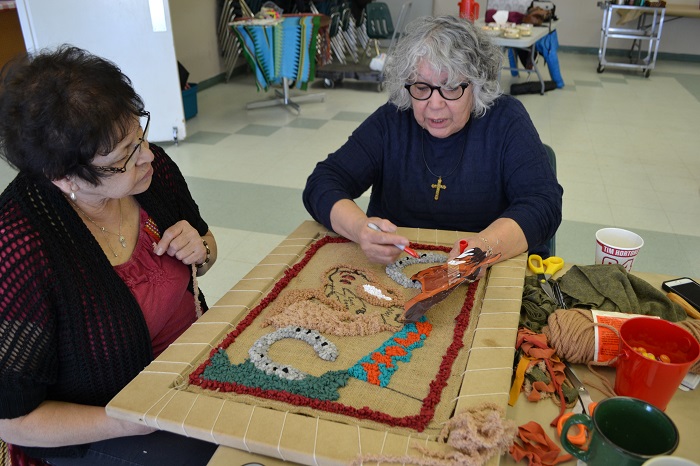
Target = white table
(526,43)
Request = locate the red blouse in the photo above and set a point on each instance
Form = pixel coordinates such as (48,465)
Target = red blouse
(159,284)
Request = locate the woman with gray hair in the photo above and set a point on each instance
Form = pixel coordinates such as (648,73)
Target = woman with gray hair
(448,151)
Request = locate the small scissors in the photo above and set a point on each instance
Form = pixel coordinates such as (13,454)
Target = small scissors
(544,269)
(584,405)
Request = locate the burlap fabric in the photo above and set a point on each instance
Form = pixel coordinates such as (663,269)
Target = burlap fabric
(415,400)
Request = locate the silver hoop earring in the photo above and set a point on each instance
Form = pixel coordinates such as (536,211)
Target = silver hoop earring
(72,196)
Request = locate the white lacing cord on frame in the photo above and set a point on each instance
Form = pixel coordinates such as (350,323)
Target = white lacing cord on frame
(494,328)
(267,279)
(227,324)
(222,306)
(245,434)
(315,439)
(155,419)
(487,369)
(490,347)
(381,452)
(275,264)
(408,444)
(215,421)
(175,343)
(162,372)
(244,291)
(279,442)
(184,431)
(479,394)
(158,401)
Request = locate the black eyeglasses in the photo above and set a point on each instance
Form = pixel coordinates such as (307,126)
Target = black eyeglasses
(142,139)
(423,91)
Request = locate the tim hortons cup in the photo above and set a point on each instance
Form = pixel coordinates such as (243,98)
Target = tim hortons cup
(617,246)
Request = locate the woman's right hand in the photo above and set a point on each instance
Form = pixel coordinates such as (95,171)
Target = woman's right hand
(351,222)
(380,246)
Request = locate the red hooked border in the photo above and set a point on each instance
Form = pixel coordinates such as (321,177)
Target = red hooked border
(418,422)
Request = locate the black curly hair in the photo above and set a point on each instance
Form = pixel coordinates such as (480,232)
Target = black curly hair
(61,108)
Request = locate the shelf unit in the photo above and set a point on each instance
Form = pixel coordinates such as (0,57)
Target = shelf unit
(646,35)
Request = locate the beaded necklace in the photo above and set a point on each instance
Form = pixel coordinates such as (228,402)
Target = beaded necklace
(105,231)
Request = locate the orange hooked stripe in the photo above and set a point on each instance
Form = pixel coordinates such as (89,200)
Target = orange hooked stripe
(378,366)
(372,371)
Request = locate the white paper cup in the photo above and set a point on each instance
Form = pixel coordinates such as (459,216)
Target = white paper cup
(617,246)
(669,461)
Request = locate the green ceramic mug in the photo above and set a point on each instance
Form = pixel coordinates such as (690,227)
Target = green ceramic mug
(623,431)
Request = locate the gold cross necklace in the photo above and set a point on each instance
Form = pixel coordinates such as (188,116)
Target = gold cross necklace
(105,231)
(438,186)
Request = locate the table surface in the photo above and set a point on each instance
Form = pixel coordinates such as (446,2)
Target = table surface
(682,11)
(682,409)
(538,32)
(153,399)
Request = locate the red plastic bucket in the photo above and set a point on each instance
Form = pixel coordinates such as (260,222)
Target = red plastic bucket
(651,380)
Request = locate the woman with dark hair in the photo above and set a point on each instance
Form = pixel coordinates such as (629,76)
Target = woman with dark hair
(448,151)
(100,242)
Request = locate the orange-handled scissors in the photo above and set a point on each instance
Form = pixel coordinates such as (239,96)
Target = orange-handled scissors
(584,405)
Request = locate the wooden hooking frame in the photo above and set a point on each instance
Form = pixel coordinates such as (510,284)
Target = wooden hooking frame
(153,397)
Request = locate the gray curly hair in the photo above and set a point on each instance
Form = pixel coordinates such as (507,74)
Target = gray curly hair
(448,44)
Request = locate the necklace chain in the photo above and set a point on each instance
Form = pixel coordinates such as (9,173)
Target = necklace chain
(105,231)
(438,186)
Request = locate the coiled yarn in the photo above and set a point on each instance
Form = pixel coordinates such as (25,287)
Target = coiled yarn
(571,333)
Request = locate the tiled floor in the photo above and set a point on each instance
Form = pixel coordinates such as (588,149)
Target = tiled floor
(628,155)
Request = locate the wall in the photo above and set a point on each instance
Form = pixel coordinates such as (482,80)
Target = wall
(580,23)
(418,8)
(195,35)
(196,47)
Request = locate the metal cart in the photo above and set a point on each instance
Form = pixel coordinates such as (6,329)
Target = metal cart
(648,31)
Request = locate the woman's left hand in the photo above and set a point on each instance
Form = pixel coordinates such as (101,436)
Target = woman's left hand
(183,242)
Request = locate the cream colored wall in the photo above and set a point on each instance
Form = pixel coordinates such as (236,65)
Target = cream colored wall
(194,30)
(580,23)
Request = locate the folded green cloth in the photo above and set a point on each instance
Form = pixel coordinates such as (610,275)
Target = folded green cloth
(536,306)
(609,287)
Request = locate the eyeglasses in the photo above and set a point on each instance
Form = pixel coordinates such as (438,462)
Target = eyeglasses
(423,91)
(142,139)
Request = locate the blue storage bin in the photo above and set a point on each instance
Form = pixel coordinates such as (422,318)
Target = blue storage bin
(189,101)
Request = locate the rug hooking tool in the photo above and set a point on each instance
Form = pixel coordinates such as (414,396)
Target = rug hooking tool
(453,274)
(439,281)
(405,249)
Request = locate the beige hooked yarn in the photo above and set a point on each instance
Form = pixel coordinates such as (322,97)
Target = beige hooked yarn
(476,435)
(571,332)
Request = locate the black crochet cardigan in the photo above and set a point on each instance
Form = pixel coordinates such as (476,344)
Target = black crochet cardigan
(70,329)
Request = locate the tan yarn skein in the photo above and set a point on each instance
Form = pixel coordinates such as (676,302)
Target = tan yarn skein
(572,334)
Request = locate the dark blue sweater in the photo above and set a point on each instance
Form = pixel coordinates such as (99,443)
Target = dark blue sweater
(504,172)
